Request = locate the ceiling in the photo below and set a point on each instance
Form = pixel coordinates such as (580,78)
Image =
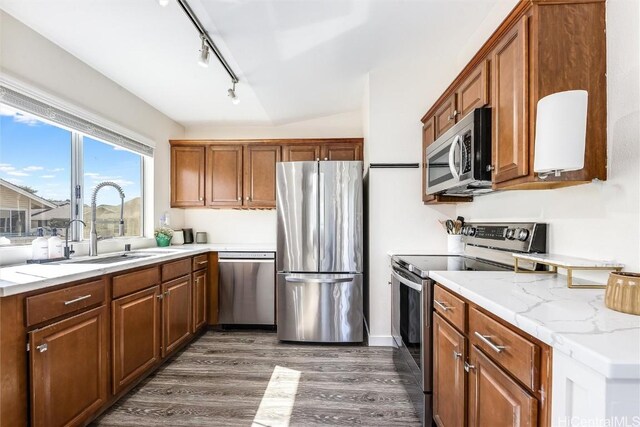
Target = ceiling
(295,59)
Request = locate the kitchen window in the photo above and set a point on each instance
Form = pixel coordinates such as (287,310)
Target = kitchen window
(50,163)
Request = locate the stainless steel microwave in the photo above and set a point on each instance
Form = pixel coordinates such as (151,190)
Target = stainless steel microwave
(459,162)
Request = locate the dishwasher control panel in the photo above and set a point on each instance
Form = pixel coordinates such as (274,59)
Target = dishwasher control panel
(246,255)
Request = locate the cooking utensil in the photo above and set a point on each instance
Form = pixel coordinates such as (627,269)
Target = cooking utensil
(450,226)
(461,219)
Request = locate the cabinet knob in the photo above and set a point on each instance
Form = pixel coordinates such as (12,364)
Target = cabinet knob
(247,198)
(201,199)
(453,115)
(239,199)
(42,348)
(468,367)
(326,158)
(317,159)
(456,355)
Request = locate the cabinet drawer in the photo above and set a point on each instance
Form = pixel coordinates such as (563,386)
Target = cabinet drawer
(450,307)
(519,356)
(174,269)
(43,307)
(200,262)
(131,282)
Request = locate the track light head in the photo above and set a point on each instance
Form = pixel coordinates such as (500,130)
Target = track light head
(232,94)
(203,59)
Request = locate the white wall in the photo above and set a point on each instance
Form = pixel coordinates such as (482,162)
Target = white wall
(32,59)
(597,220)
(245,226)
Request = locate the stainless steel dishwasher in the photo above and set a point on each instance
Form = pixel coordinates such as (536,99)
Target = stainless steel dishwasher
(247,288)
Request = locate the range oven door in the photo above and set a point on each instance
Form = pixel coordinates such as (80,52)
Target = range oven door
(411,322)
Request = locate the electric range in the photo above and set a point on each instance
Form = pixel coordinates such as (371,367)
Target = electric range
(488,247)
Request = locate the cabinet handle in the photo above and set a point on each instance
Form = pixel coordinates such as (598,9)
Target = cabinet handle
(42,348)
(202,262)
(77,299)
(441,305)
(485,339)
(456,355)
(468,367)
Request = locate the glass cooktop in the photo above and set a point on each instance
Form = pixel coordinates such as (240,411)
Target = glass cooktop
(422,264)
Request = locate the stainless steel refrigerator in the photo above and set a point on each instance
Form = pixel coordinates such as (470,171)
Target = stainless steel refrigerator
(319,251)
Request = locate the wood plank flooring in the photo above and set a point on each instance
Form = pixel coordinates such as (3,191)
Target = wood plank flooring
(251,379)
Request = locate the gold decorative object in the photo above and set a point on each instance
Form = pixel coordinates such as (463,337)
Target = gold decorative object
(623,292)
(570,264)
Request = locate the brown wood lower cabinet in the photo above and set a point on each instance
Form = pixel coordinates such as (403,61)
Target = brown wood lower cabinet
(448,374)
(495,399)
(176,313)
(199,300)
(69,372)
(136,335)
(479,366)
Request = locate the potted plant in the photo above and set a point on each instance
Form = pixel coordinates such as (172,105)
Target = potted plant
(163,236)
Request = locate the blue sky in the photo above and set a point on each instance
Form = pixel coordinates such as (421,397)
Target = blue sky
(38,154)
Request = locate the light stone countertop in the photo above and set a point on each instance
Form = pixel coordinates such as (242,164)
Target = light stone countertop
(30,277)
(567,261)
(572,321)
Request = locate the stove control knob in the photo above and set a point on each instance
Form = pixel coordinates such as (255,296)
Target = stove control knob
(466,230)
(523,234)
(473,231)
(510,234)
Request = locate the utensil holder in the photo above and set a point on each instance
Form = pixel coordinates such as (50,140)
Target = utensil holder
(455,244)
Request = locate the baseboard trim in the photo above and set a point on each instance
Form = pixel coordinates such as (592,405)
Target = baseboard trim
(380,341)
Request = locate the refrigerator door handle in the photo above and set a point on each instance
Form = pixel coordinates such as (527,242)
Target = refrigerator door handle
(321,190)
(294,279)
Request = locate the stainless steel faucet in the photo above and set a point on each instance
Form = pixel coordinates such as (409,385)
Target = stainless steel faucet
(68,251)
(93,236)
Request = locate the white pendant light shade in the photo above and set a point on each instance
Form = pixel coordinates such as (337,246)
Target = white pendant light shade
(561,131)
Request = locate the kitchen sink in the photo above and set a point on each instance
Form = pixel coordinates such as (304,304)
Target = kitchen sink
(110,259)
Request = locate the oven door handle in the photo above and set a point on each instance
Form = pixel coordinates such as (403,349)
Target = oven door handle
(406,281)
(452,152)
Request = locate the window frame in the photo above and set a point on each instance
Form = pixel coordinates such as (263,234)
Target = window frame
(131,141)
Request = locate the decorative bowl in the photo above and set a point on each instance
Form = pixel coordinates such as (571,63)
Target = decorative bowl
(623,292)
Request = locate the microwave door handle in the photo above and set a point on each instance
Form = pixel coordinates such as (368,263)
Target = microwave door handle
(452,152)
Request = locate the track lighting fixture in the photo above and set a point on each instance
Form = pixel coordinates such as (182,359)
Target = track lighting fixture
(163,3)
(232,94)
(203,60)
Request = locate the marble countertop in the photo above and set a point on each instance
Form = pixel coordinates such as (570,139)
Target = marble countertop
(572,321)
(29,277)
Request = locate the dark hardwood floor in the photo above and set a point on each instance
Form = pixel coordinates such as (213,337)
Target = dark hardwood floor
(250,379)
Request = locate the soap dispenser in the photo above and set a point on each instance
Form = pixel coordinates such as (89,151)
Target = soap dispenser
(40,246)
(56,249)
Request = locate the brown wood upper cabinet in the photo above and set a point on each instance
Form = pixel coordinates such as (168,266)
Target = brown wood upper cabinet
(301,153)
(224,175)
(69,372)
(187,176)
(445,116)
(260,175)
(510,150)
(242,173)
(542,47)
